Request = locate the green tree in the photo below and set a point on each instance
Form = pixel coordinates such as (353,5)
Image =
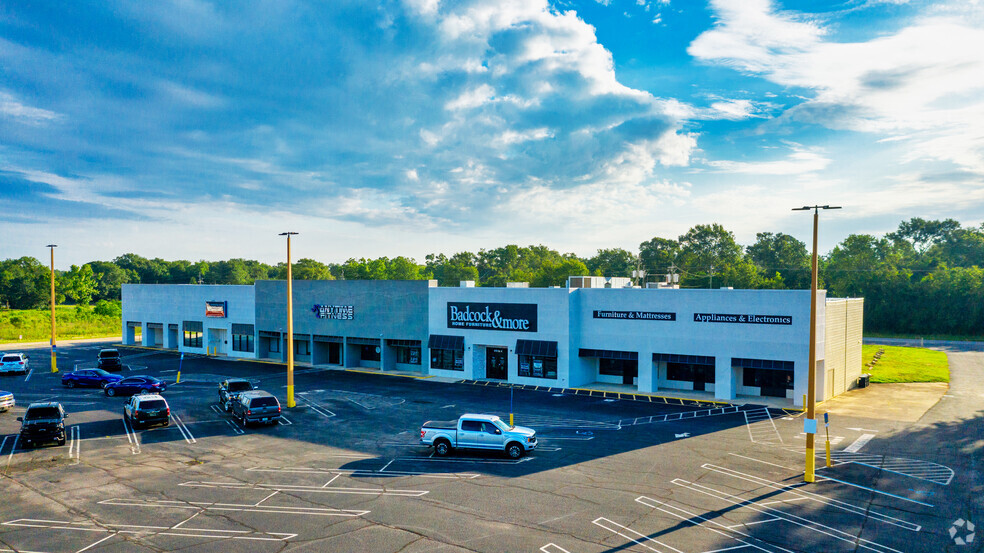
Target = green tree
(782,260)
(658,254)
(554,273)
(81,284)
(614,262)
(110,279)
(24,283)
(705,251)
(309,269)
(401,268)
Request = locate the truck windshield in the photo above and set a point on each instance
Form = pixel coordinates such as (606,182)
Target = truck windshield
(39,413)
(240,386)
(109,354)
(502,425)
(263,402)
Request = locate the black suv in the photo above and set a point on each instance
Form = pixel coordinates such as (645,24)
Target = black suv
(42,423)
(146,409)
(230,389)
(109,360)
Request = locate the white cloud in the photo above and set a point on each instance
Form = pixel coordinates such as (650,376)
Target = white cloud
(797,163)
(11,107)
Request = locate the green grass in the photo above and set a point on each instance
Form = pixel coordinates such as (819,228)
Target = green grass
(34,325)
(902,364)
(948,337)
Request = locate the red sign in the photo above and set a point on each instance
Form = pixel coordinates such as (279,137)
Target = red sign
(215,309)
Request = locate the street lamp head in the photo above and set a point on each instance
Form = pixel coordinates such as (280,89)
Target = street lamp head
(815,207)
(52,246)
(287,234)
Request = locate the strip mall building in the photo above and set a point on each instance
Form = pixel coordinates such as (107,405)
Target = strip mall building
(718,344)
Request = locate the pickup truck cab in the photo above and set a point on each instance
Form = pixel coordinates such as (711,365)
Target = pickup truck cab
(229,390)
(42,423)
(256,406)
(475,431)
(109,360)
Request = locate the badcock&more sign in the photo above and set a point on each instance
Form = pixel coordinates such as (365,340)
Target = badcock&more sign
(337,312)
(514,317)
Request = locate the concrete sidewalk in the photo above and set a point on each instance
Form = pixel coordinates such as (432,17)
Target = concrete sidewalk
(899,402)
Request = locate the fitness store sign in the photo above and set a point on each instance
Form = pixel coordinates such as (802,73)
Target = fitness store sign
(515,317)
(337,312)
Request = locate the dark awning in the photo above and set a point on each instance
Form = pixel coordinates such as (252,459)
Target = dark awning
(438,341)
(686,359)
(240,328)
(328,339)
(536,347)
(363,341)
(609,354)
(762,364)
(269,334)
(397,342)
(155,325)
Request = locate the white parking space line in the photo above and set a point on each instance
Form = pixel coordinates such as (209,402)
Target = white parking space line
(836,503)
(132,437)
(618,529)
(364,473)
(147,531)
(913,468)
(673,417)
(284,421)
(235,427)
(859,443)
(827,478)
(74,443)
(291,488)
(91,545)
(234,507)
(745,546)
(433,459)
(318,408)
(27,377)
(758,431)
(184,429)
(13,447)
(711,525)
(328,483)
(553,548)
(787,517)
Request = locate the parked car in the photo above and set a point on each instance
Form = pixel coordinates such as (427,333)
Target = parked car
(6,401)
(135,385)
(256,406)
(474,431)
(144,410)
(109,360)
(42,423)
(89,378)
(13,363)
(230,389)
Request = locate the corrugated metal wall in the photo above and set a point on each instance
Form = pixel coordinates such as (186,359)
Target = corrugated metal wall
(842,352)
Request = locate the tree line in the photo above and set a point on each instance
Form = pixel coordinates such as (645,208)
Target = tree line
(925,277)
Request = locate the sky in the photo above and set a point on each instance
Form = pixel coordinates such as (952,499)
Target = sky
(187,129)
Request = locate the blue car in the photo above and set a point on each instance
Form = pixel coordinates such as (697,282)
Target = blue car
(89,378)
(135,385)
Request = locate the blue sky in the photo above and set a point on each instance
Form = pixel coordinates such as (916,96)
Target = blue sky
(186,129)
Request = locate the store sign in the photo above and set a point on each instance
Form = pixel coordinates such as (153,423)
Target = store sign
(337,312)
(635,315)
(516,317)
(743,319)
(216,309)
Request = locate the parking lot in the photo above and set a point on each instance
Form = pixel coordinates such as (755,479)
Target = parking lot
(343,471)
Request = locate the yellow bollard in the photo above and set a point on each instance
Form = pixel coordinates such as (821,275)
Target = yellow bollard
(179,380)
(829,464)
(511,420)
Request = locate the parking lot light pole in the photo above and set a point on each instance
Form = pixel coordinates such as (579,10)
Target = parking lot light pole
(810,423)
(290,326)
(54,346)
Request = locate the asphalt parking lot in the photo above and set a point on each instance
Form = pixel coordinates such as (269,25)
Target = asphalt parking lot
(344,471)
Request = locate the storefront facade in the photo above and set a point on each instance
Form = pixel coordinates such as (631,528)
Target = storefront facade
(718,344)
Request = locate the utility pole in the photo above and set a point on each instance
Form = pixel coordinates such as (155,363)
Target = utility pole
(710,276)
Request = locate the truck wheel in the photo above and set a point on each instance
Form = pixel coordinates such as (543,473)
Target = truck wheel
(514,450)
(110,392)
(442,448)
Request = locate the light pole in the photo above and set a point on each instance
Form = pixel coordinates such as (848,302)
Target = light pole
(811,388)
(54,346)
(290,326)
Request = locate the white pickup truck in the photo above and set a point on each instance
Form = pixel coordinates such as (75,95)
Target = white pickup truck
(473,431)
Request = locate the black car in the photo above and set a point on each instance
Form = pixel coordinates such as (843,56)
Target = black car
(109,360)
(135,385)
(42,423)
(256,407)
(146,409)
(89,377)
(230,389)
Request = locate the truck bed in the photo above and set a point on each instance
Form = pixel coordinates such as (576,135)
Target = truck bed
(441,425)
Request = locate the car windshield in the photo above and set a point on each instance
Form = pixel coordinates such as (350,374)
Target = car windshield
(108,354)
(37,413)
(264,402)
(100,372)
(10,358)
(240,386)
(153,404)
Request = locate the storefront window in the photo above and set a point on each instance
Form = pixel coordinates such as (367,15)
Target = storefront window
(690,372)
(538,366)
(242,342)
(274,345)
(617,367)
(370,353)
(448,359)
(767,378)
(192,334)
(302,347)
(408,356)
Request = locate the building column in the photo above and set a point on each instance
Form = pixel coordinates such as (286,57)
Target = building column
(647,372)
(724,379)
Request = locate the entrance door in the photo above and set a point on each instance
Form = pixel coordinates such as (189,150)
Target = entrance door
(775,383)
(496,363)
(702,375)
(630,370)
(334,354)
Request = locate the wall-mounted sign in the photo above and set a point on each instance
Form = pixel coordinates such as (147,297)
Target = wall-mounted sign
(635,315)
(337,312)
(516,317)
(743,319)
(216,309)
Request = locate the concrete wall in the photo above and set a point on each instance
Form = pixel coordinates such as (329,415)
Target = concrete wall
(842,350)
(172,304)
(552,310)
(382,310)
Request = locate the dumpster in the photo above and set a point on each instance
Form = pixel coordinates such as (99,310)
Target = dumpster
(864,380)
